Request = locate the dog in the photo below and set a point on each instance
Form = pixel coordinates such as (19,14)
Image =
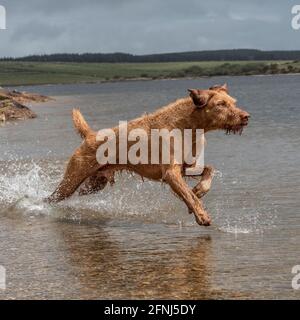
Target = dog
(207,109)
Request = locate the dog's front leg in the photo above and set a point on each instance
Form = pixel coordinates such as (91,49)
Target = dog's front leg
(173,177)
(204,185)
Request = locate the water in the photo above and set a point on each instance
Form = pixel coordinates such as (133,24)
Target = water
(136,240)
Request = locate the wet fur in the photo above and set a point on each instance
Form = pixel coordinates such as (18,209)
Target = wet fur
(210,109)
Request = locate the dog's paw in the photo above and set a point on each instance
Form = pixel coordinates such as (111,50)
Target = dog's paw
(203,221)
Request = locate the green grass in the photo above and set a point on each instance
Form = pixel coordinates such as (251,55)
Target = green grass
(30,73)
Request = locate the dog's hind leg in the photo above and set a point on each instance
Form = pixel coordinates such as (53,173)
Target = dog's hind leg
(173,177)
(97,182)
(79,169)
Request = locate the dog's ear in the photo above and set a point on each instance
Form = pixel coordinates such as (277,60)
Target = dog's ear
(224,87)
(200,97)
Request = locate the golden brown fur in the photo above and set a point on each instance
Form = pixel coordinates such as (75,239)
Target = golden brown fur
(210,109)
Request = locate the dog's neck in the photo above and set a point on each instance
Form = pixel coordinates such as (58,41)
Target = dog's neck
(181,114)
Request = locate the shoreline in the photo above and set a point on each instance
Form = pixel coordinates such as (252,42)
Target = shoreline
(143,79)
(14,74)
(13,105)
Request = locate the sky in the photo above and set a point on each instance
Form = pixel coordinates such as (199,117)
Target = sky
(146,26)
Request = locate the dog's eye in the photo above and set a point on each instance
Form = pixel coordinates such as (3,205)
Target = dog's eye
(221,104)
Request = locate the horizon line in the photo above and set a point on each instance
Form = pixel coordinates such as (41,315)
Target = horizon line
(145,54)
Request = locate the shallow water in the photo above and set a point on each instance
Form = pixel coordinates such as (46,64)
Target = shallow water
(136,240)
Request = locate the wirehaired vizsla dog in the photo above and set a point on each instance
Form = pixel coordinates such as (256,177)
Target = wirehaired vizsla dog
(211,109)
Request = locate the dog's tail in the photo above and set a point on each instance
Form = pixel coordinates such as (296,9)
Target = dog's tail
(80,124)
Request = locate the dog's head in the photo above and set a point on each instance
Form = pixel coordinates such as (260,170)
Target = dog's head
(218,109)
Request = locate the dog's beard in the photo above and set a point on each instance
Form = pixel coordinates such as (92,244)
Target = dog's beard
(238,129)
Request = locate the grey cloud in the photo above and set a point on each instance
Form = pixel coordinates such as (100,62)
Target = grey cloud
(145,26)
(45,31)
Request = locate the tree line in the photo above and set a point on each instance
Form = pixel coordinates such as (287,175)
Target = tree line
(212,55)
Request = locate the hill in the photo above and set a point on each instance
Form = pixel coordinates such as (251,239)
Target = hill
(214,55)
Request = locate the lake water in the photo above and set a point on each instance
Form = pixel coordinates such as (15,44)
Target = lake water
(136,240)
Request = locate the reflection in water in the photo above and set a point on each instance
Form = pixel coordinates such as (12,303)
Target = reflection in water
(62,259)
(133,268)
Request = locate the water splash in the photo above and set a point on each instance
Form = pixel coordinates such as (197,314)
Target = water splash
(25,184)
(239,209)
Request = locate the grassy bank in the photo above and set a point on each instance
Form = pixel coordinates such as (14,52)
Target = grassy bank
(30,73)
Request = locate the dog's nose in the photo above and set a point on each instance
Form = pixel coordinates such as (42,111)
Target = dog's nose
(245,117)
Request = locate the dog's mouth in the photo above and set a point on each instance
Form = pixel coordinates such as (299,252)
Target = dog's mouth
(237,129)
